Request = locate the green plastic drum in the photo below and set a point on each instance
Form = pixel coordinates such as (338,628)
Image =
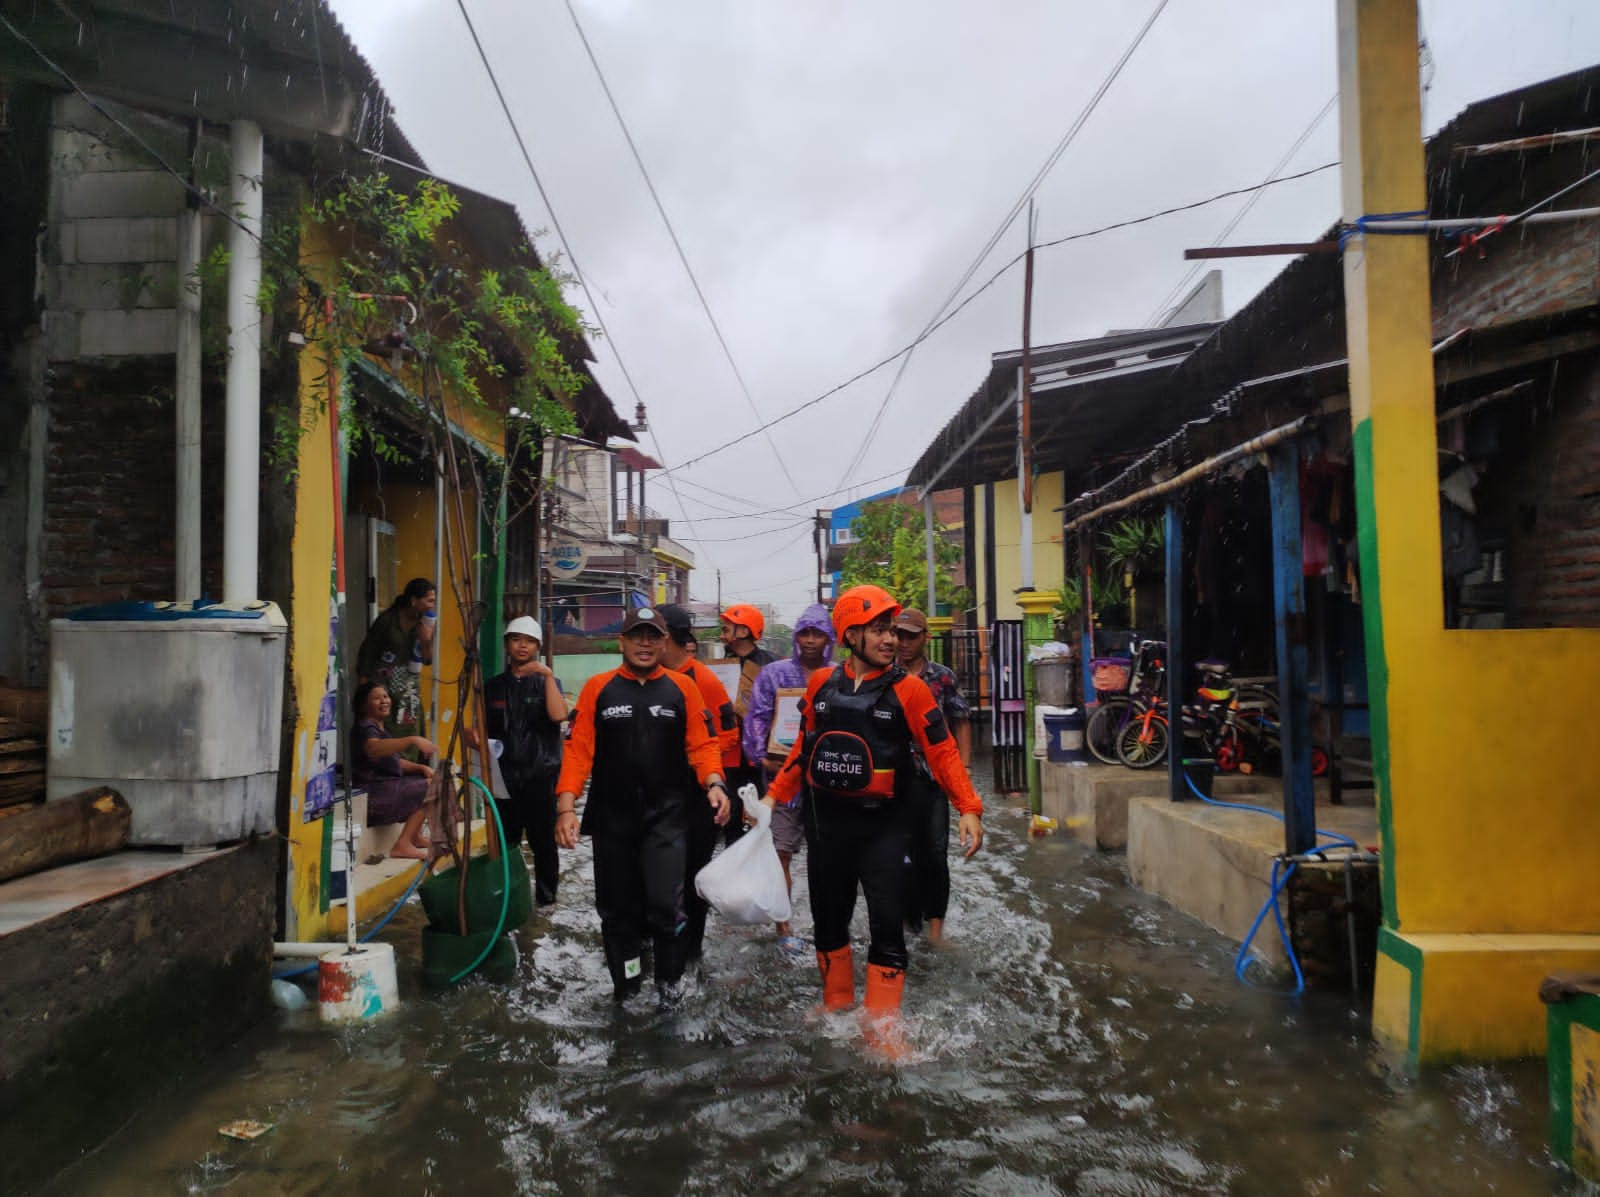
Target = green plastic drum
(445,954)
(440,893)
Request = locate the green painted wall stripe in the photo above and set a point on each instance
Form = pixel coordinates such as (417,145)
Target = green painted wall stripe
(325,873)
(1409,957)
(1377,667)
(1559,1020)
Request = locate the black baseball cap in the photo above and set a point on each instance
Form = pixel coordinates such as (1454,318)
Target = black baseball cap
(680,624)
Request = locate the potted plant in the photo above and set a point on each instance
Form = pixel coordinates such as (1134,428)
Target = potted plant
(1133,546)
(1069,609)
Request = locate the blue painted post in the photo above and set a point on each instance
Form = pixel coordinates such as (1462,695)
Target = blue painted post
(1289,618)
(1177,783)
(1086,580)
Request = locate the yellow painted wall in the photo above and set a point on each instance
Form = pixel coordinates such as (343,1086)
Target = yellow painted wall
(1485,813)
(410,508)
(1047,496)
(309,612)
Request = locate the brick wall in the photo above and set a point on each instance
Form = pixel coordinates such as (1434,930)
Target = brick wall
(1529,271)
(110,486)
(1554,500)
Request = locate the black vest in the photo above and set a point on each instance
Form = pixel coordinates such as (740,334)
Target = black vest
(859,741)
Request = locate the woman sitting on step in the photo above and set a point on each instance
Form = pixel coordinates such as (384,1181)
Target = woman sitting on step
(397,789)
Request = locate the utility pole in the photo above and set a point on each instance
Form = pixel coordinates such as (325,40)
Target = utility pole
(719,592)
(817,525)
(1025,419)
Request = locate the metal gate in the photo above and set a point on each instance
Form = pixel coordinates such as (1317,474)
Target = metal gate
(1008,682)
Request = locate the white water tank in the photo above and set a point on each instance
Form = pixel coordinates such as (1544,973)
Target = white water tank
(177,709)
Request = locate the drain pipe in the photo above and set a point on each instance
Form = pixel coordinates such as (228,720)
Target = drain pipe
(186,393)
(242,457)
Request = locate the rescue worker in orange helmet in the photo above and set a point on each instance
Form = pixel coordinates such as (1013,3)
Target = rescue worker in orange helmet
(853,760)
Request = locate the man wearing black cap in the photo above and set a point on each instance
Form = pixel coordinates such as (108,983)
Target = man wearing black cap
(643,732)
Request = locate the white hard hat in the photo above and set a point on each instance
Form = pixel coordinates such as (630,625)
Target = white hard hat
(525,625)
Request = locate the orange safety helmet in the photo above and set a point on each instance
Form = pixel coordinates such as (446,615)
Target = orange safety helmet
(860,605)
(750,617)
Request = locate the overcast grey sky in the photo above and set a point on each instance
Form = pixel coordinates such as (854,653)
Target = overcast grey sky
(833,167)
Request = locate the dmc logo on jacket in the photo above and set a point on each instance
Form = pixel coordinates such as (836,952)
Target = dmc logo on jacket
(620,711)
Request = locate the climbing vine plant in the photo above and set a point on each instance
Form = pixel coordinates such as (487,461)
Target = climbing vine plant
(480,335)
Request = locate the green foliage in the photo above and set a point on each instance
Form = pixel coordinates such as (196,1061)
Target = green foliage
(484,337)
(1134,544)
(1069,601)
(890,552)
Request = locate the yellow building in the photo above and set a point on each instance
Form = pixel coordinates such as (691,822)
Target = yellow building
(1488,871)
(405,512)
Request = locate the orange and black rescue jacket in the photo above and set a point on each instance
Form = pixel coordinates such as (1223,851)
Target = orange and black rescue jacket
(857,736)
(719,712)
(647,744)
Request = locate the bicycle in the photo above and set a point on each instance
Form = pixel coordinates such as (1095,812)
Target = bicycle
(1146,675)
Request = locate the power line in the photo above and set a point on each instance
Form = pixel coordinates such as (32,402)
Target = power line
(901,472)
(1172,296)
(672,233)
(806,523)
(1022,201)
(599,319)
(993,279)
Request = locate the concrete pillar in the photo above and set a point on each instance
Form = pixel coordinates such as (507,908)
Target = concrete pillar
(186,537)
(241,511)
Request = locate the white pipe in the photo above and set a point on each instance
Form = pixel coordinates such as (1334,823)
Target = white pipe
(187,402)
(1457,223)
(242,458)
(303,949)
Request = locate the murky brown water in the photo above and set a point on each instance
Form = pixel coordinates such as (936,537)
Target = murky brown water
(1074,1036)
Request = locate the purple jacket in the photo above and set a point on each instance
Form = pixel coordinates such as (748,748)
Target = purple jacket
(781,675)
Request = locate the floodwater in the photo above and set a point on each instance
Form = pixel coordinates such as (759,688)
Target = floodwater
(1073,1036)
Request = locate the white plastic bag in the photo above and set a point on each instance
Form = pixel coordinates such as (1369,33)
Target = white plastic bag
(745,883)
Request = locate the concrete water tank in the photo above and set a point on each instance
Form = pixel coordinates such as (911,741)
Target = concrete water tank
(176,708)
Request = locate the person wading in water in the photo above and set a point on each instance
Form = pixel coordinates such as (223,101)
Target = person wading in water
(643,732)
(860,722)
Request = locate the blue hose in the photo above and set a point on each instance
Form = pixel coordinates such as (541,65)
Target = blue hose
(303,969)
(1276,887)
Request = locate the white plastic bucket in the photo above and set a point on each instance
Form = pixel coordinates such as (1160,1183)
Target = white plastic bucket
(359,985)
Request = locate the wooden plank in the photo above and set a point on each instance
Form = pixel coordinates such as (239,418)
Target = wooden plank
(93,823)
(14,747)
(22,765)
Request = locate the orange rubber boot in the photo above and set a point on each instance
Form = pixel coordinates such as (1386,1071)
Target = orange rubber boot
(885,989)
(838,969)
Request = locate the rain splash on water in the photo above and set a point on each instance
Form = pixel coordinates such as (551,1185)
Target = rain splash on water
(1074,1035)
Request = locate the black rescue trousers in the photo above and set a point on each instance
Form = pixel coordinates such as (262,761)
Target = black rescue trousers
(702,843)
(928,873)
(638,893)
(738,776)
(530,811)
(849,843)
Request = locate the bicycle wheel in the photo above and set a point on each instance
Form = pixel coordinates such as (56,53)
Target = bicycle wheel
(1143,742)
(1100,735)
